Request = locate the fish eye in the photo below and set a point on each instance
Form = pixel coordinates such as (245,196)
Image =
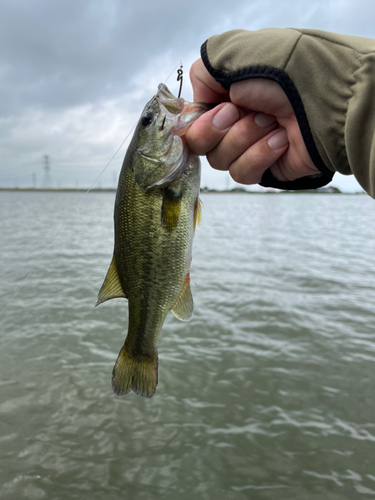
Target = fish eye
(146,119)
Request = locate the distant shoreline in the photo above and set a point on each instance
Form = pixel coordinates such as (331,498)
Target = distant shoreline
(61,190)
(204,191)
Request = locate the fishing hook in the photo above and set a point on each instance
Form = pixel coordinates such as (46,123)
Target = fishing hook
(180,79)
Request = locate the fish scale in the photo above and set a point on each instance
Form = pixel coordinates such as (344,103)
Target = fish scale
(156,210)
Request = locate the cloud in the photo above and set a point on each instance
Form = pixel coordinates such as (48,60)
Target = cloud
(63,53)
(74,75)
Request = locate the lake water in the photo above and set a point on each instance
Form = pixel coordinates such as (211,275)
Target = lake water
(268,393)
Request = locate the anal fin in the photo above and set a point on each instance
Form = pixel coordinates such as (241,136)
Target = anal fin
(111,287)
(184,306)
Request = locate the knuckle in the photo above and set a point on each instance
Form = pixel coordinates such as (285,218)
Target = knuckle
(235,175)
(215,161)
(245,172)
(194,69)
(197,142)
(241,177)
(242,131)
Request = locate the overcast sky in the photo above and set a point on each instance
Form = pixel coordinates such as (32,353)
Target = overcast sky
(75,74)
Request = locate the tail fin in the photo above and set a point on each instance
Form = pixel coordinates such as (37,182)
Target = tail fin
(139,375)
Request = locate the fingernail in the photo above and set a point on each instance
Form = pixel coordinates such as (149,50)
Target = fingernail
(263,120)
(278,140)
(227,116)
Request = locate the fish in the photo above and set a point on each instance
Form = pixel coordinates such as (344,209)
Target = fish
(157,209)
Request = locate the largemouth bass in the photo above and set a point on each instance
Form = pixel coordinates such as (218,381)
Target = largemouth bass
(156,210)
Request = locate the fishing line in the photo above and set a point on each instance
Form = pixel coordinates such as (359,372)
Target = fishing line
(179,78)
(173,70)
(62,227)
(110,161)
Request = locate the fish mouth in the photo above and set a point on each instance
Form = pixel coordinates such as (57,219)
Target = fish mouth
(163,90)
(175,116)
(177,105)
(165,97)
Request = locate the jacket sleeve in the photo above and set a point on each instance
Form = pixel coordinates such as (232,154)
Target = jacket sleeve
(329,80)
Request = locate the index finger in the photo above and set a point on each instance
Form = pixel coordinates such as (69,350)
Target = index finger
(205,87)
(261,95)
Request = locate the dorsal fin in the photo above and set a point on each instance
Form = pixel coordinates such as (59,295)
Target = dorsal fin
(111,287)
(183,308)
(197,213)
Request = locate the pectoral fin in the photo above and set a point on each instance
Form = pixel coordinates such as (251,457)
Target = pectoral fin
(111,287)
(197,213)
(183,308)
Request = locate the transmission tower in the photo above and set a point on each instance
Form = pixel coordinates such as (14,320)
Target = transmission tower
(46,167)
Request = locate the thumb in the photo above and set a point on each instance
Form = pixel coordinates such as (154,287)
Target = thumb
(206,133)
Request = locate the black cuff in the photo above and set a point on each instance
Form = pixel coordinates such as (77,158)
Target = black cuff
(279,76)
(303,183)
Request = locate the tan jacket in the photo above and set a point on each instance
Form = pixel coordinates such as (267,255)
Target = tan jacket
(330,82)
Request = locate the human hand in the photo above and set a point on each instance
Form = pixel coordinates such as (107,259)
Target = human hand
(254,129)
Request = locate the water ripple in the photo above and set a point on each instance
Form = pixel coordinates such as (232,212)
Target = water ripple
(267,392)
